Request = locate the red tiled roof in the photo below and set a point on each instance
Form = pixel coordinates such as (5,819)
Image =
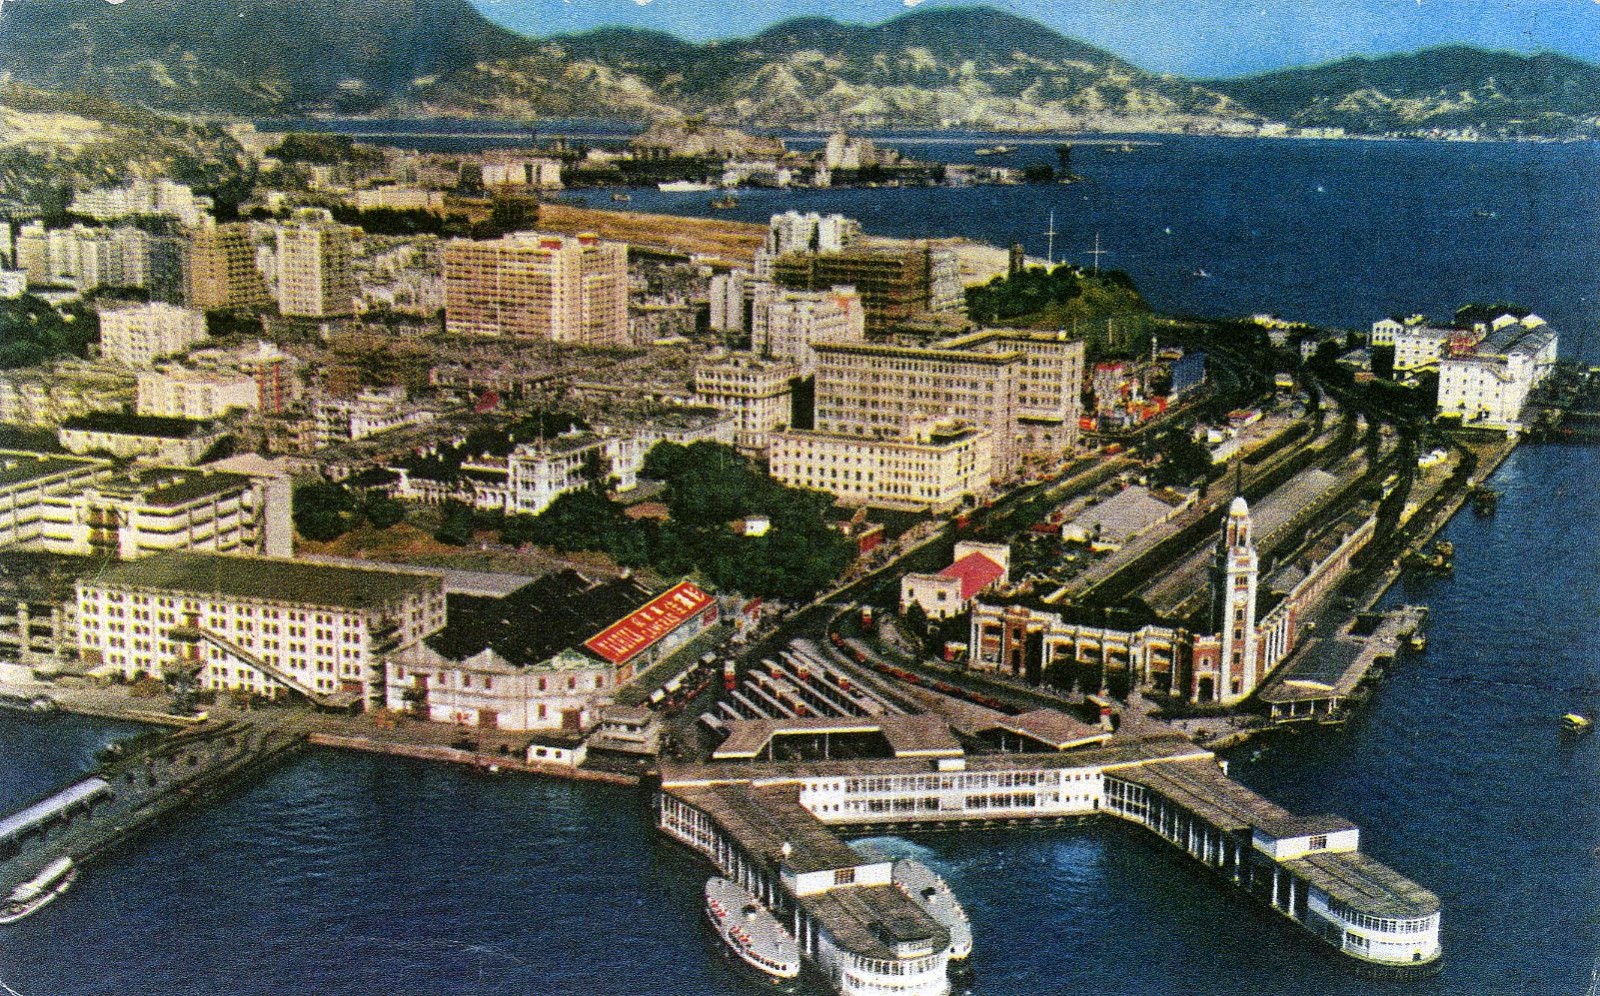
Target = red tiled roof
(975,572)
(627,637)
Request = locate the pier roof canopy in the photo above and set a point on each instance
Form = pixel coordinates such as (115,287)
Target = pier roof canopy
(763,820)
(1053,728)
(1365,885)
(866,920)
(908,736)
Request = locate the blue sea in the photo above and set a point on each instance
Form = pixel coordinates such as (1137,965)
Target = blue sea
(344,875)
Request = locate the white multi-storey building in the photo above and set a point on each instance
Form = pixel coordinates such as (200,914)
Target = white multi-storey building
(542,471)
(793,231)
(1489,384)
(27,479)
(160,196)
(156,509)
(138,336)
(195,394)
(728,301)
(757,392)
(1421,347)
(258,625)
(315,279)
(935,467)
(785,323)
(522,171)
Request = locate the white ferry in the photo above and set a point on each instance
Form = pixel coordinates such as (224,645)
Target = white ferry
(684,187)
(930,892)
(39,890)
(750,931)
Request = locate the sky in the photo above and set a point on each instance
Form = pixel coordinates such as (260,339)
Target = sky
(1186,37)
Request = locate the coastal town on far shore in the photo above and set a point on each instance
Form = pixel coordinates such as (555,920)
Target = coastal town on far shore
(804,530)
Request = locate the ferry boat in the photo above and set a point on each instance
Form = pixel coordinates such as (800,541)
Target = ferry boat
(684,187)
(930,892)
(1574,723)
(750,931)
(730,201)
(996,150)
(38,891)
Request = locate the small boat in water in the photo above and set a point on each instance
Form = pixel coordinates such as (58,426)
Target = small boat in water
(1201,274)
(730,201)
(38,891)
(1574,723)
(751,931)
(996,150)
(930,892)
(622,198)
(684,187)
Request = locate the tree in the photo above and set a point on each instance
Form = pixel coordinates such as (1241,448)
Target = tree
(456,528)
(323,511)
(382,511)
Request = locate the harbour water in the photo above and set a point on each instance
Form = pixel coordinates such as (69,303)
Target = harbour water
(343,875)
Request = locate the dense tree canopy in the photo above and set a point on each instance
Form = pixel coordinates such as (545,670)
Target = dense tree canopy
(708,487)
(32,332)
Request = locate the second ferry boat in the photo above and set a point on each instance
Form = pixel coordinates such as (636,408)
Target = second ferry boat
(930,892)
(751,931)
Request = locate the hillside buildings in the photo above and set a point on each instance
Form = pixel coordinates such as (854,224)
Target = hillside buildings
(314,266)
(87,259)
(554,287)
(26,479)
(139,335)
(538,172)
(220,269)
(728,295)
(158,196)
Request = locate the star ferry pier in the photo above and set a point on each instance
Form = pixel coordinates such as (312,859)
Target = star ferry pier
(778,828)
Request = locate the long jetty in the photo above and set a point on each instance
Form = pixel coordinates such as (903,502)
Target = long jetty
(132,790)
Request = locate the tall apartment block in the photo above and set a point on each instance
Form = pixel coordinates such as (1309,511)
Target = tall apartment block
(757,392)
(220,271)
(314,270)
(559,288)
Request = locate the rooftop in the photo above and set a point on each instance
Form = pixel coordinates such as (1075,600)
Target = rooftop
(867,919)
(17,467)
(763,820)
(636,632)
(1053,728)
(1201,788)
(536,621)
(1366,885)
(908,736)
(1121,751)
(171,486)
(138,425)
(39,577)
(267,579)
(975,572)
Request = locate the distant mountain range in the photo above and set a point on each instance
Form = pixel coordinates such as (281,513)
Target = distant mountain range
(963,66)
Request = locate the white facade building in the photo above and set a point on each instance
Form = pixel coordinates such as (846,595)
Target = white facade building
(728,292)
(194,394)
(785,323)
(159,196)
(756,391)
(258,625)
(935,467)
(541,472)
(153,510)
(1489,386)
(140,335)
